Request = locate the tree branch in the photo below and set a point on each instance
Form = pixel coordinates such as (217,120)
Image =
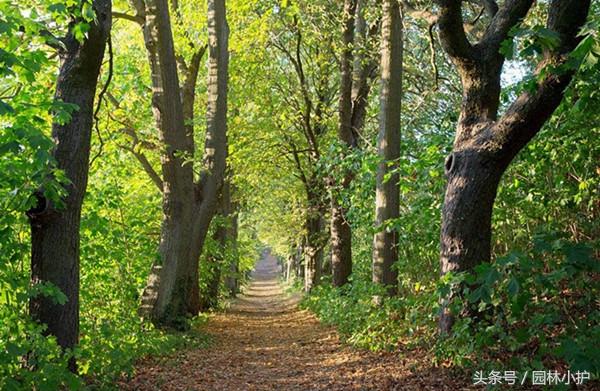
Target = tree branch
(132,18)
(156,179)
(528,113)
(511,12)
(452,33)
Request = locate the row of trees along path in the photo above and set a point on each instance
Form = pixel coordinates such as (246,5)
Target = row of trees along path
(265,342)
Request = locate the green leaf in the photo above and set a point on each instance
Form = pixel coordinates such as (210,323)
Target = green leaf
(87,11)
(5,108)
(513,287)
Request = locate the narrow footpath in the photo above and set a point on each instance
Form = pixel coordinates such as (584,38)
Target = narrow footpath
(264,342)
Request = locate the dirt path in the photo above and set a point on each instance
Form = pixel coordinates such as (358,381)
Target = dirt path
(265,343)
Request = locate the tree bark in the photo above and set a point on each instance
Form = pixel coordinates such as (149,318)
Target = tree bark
(313,252)
(356,72)
(387,196)
(55,228)
(172,291)
(341,232)
(313,246)
(215,146)
(485,145)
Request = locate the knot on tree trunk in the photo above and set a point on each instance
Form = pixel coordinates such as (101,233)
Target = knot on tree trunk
(42,207)
(449,164)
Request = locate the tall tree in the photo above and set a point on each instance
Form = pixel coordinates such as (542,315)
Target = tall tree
(189,203)
(55,228)
(215,148)
(357,70)
(484,144)
(387,196)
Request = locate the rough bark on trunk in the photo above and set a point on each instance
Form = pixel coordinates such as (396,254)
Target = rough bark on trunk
(299,260)
(485,145)
(387,196)
(55,229)
(188,207)
(175,284)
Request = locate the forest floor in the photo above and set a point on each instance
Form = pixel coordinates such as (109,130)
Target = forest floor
(264,342)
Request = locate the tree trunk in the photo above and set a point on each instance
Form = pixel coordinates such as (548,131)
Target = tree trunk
(354,90)
(313,251)
(289,266)
(314,241)
(299,260)
(341,232)
(484,145)
(176,285)
(215,146)
(341,244)
(188,207)
(54,228)
(387,196)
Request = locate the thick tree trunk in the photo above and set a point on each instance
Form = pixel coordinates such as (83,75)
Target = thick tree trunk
(387,196)
(188,207)
(55,229)
(466,234)
(176,285)
(341,244)
(484,145)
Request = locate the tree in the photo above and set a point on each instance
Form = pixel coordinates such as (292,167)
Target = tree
(307,97)
(54,227)
(357,71)
(189,203)
(485,144)
(387,198)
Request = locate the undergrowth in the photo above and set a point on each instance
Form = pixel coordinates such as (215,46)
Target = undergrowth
(529,310)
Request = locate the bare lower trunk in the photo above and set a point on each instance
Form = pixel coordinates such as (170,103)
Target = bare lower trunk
(188,207)
(387,196)
(313,251)
(215,146)
(299,260)
(289,265)
(341,244)
(55,229)
(472,184)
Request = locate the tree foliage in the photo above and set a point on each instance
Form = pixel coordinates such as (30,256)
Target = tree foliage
(532,305)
